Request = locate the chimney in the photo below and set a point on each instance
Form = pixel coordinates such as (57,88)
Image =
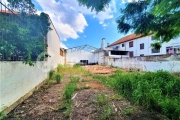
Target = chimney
(107,44)
(102,44)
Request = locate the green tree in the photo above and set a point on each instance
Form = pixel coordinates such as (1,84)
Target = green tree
(23,34)
(157,17)
(22,6)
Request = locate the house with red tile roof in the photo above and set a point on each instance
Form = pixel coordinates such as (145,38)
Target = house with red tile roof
(139,45)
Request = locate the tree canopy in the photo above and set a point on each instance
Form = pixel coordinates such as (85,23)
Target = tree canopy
(22,6)
(23,35)
(157,17)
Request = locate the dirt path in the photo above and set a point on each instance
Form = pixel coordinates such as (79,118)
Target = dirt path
(92,101)
(42,104)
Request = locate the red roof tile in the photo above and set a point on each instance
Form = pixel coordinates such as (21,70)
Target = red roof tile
(125,39)
(7,11)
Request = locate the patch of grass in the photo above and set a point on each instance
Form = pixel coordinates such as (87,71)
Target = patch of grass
(51,73)
(83,80)
(76,66)
(70,70)
(101,99)
(68,92)
(74,79)
(2,114)
(103,104)
(87,73)
(60,67)
(58,77)
(83,87)
(116,97)
(159,91)
(107,112)
(66,109)
(127,111)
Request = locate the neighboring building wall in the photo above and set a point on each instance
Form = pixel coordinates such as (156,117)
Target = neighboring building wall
(76,56)
(54,48)
(99,57)
(146,41)
(18,79)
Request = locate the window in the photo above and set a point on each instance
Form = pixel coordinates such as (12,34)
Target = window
(61,52)
(141,46)
(122,45)
(131,44)
(152,37)
(155,51)
(117,47)
(119,52)
(131,54)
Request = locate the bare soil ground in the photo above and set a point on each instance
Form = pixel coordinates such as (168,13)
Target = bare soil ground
(97,69)
(44,103)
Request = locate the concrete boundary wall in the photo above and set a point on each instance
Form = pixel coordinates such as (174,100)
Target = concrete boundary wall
(17,80)
(171,66)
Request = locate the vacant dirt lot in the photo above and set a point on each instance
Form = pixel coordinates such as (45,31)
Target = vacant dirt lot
(91,101)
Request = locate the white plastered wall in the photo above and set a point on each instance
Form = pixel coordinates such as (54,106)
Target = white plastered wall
(76,56)
(17,79)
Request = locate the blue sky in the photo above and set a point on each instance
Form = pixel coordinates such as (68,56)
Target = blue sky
(77,25)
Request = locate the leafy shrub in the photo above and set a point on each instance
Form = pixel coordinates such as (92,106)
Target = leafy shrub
(58,77)
(51,73)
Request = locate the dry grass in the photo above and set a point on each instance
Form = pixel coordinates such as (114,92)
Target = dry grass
(70,70)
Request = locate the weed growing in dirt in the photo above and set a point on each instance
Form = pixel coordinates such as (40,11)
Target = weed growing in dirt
(51,73)
(68,92)
(76,66)
(60,67)
(101,100)
(107,112)
(2,114)
(87,73)
(127,111)
(159,90)
(83,87)
(58,77)
(103,104)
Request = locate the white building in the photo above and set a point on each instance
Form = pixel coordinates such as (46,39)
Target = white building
(141,46)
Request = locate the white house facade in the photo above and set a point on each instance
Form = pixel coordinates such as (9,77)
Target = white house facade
(141,46)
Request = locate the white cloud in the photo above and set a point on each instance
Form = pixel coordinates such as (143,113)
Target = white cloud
(67,21)
(63,46)
(101,16)
(68,16)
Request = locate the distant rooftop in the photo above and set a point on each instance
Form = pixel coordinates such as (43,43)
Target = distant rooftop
(125,39)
